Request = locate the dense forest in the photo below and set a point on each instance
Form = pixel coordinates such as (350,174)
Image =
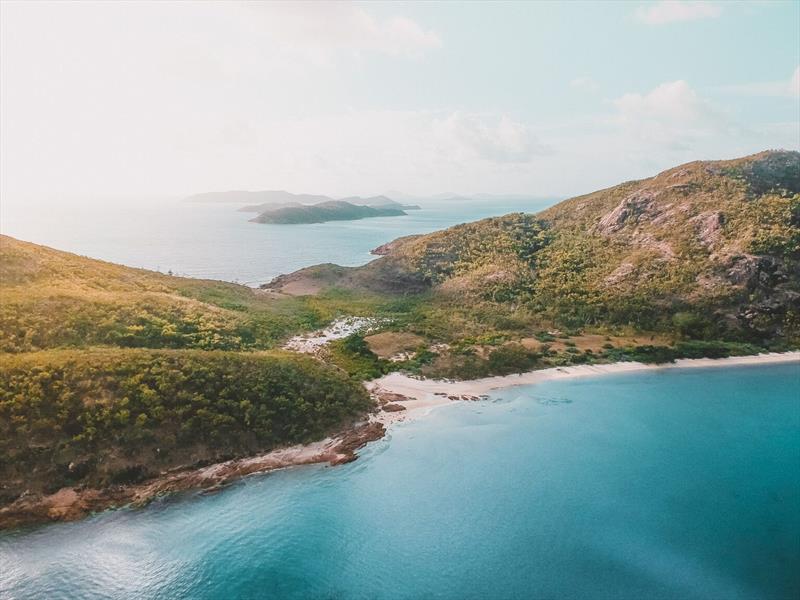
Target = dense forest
(105,416)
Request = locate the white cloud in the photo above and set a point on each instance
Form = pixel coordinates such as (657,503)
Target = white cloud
(671,11)
(788,87)
(671,114)
(487,137)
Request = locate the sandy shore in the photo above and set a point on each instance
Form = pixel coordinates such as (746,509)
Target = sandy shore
(426,394)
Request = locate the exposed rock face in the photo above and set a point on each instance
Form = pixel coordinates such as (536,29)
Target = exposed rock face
(356,439)
(629,210)
(709,227)
(754,271)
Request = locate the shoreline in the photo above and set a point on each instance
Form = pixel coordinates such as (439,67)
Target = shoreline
(399,398)
(422,389)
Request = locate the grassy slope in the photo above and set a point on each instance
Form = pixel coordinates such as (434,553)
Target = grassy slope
(57,299)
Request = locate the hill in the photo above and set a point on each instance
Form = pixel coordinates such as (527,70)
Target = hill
(111,375)
(57,299)
(709,250)
(333,210)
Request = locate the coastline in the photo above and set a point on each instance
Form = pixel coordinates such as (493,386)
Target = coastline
(399,398)
(423,389)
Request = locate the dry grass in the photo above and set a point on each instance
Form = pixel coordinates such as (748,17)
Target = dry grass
(389,343)
(595,342)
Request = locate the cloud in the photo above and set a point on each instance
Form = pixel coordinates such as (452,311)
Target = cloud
(584,84)
(788,87)
(488,137)
(671,11)
(671,114)
(318,27)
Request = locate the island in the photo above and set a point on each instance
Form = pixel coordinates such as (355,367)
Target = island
(133,383)
(332,210)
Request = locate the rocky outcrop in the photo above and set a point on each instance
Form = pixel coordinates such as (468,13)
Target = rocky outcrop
(709,227)
(389,247)
(71,503)
(628,211)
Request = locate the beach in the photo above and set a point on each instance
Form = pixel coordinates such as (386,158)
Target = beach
(424,395)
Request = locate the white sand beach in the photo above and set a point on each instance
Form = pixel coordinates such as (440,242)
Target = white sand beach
(425,394)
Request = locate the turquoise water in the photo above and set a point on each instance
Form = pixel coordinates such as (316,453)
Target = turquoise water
(681,484)
(215,241)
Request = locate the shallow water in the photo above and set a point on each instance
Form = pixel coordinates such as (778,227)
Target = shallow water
(680,484)
(215,241)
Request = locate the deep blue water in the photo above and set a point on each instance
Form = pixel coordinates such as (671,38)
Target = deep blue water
(680,484)
(215,241)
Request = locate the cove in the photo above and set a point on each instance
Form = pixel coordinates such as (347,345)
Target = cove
(674,484)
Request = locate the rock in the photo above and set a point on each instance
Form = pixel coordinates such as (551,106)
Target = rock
(709,226)
(345,450)
(393,408)
(629,210)
(392,397)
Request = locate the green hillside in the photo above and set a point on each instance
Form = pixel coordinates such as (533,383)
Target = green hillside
(706,251)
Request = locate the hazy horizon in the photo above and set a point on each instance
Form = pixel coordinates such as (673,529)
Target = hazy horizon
(171,99)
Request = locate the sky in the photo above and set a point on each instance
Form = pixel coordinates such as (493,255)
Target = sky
(542,98)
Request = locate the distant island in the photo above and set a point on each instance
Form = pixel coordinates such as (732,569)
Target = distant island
(332,210)
(260,201)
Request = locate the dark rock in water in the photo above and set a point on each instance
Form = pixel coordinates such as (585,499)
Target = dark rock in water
(393,408)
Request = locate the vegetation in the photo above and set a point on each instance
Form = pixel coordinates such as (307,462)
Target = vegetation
(103,416)
(110,374)
(708,251)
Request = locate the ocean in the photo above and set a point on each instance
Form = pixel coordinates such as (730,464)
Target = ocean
(679,484)
(215,241)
